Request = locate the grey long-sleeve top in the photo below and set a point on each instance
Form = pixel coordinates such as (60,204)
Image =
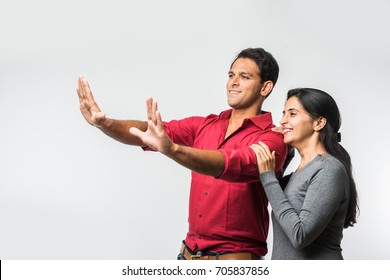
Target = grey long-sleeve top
(308,216)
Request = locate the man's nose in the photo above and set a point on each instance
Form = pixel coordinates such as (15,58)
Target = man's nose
(236,81)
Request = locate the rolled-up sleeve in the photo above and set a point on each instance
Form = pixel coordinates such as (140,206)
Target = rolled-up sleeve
(240,166)
(241,163)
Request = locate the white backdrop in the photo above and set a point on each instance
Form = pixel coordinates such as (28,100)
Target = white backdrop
(69,192)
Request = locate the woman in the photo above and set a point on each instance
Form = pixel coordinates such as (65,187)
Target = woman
(320,198)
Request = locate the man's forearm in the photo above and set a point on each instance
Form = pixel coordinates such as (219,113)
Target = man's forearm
(207,162)
(119,130)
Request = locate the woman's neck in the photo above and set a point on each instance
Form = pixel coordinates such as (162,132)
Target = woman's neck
(309,152)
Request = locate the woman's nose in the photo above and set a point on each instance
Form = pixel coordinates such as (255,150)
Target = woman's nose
(283,120)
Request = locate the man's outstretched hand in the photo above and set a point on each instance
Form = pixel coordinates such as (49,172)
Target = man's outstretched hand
(88,106)
(155,136)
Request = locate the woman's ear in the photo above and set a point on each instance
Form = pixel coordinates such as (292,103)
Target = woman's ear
(319,123)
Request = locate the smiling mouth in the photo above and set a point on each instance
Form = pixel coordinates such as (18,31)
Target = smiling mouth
(234,92)
(287,130)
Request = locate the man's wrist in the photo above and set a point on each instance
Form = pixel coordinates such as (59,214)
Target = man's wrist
(173,151)
(106,124)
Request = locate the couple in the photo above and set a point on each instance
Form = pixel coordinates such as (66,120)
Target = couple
(237,159)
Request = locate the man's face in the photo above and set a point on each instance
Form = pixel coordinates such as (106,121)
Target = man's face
(243,86)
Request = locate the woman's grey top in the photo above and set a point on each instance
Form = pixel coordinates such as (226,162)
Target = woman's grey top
(308,216)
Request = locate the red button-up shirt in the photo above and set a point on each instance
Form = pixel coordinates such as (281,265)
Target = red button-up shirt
(228,213)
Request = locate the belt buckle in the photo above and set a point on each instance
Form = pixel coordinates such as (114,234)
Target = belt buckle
(197,256)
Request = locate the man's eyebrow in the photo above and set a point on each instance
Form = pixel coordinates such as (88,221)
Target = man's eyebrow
(241,73)
(246,73)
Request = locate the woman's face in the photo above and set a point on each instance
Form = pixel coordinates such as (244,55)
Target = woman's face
(298,126)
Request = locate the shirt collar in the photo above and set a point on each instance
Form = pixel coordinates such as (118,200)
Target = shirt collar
(262,121)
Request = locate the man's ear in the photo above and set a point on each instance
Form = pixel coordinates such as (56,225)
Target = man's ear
(266,88)
(319,123)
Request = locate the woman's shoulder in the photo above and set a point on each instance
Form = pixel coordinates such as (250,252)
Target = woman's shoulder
(331,166)
(327,160)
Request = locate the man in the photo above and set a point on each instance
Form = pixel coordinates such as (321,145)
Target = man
(228,215)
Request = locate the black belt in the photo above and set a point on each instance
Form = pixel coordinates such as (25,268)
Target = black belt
(190,255)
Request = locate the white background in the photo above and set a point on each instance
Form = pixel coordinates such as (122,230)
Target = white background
(69,192)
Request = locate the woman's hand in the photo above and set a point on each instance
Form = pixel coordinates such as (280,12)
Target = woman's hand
(265,158)
(278,129)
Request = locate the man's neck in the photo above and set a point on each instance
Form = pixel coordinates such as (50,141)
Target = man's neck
(237,118)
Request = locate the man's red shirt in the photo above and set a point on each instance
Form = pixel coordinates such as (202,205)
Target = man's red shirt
(228,213)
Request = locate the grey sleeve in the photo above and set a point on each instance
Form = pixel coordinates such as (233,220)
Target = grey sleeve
(325,190)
